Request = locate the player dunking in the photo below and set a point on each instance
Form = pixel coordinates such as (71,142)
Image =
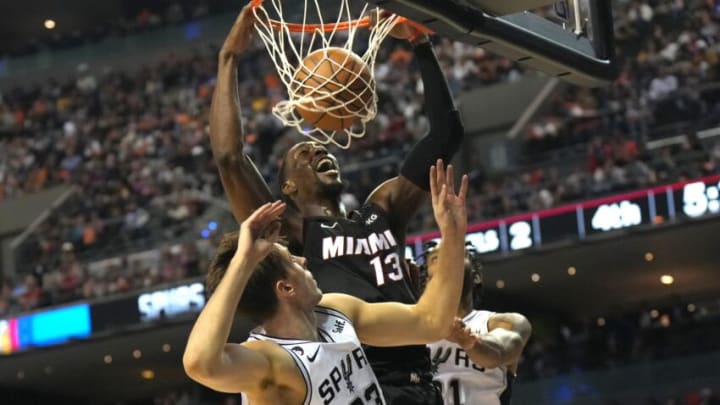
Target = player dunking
(307,350)
(360,254)
(478,362)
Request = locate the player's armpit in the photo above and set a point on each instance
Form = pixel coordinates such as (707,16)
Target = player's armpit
(244,186)
(401,199)
(242,368)
(385,323)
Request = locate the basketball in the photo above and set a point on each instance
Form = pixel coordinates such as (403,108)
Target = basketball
(337,84)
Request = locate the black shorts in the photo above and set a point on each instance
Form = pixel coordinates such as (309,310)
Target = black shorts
(413,392)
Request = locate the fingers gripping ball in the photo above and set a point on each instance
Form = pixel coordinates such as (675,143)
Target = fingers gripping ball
(335,88)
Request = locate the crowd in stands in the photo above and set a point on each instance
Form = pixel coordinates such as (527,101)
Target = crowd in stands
(72,281)
(668,56)
(133,146)
(611,165)
(605,343)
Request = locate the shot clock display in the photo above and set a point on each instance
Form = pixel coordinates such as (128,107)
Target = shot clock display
(679,201)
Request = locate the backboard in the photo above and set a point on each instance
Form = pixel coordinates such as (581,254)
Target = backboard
(571,39)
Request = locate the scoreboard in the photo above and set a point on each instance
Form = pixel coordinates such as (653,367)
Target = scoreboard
(680,201)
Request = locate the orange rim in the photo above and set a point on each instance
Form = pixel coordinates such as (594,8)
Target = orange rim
(329,27)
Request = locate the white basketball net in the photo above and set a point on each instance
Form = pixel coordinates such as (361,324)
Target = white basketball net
(286,46)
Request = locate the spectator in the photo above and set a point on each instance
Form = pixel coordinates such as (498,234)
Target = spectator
(663,85)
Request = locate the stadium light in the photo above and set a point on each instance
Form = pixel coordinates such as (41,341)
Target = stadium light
(147,374)
(500,284)
(649,257)
(49,24)
(667,279)
(535,277)
(137,353)
(166,348)
(107,359)
(665,320)
(572,271)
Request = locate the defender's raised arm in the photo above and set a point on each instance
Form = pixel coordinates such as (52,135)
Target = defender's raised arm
(394,324)
(209,359)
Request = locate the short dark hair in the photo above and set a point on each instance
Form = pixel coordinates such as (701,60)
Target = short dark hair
(473,271)
(258,301)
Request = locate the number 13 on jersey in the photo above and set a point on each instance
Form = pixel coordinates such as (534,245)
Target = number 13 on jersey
(389,266)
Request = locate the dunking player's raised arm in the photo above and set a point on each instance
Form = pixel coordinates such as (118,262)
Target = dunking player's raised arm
(402,196)
(244,186)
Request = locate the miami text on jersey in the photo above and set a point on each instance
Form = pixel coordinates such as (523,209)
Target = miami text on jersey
(335,246)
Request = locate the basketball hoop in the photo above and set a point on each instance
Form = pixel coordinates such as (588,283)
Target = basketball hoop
(289,44)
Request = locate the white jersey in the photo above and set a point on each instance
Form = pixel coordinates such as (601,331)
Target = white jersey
(335,370)
(463,382)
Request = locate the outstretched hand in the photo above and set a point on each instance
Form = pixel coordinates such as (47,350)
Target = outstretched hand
(462,335)
(241,33)
(448,207)
(259,232)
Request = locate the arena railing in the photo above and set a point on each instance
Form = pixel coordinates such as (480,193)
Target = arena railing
(10,264)
(111,243)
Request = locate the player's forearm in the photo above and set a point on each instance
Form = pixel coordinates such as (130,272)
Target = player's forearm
(441,298)
(446,128)
(205,347)
(225,115)
(435,87)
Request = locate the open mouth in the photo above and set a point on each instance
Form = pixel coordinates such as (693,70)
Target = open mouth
(325,165)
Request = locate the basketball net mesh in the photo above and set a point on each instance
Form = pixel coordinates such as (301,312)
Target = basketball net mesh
(288,48)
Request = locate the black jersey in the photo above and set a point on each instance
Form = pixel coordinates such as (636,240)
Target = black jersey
(360,256)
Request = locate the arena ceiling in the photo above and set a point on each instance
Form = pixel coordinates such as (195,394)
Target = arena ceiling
(612,274)
(21,21)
